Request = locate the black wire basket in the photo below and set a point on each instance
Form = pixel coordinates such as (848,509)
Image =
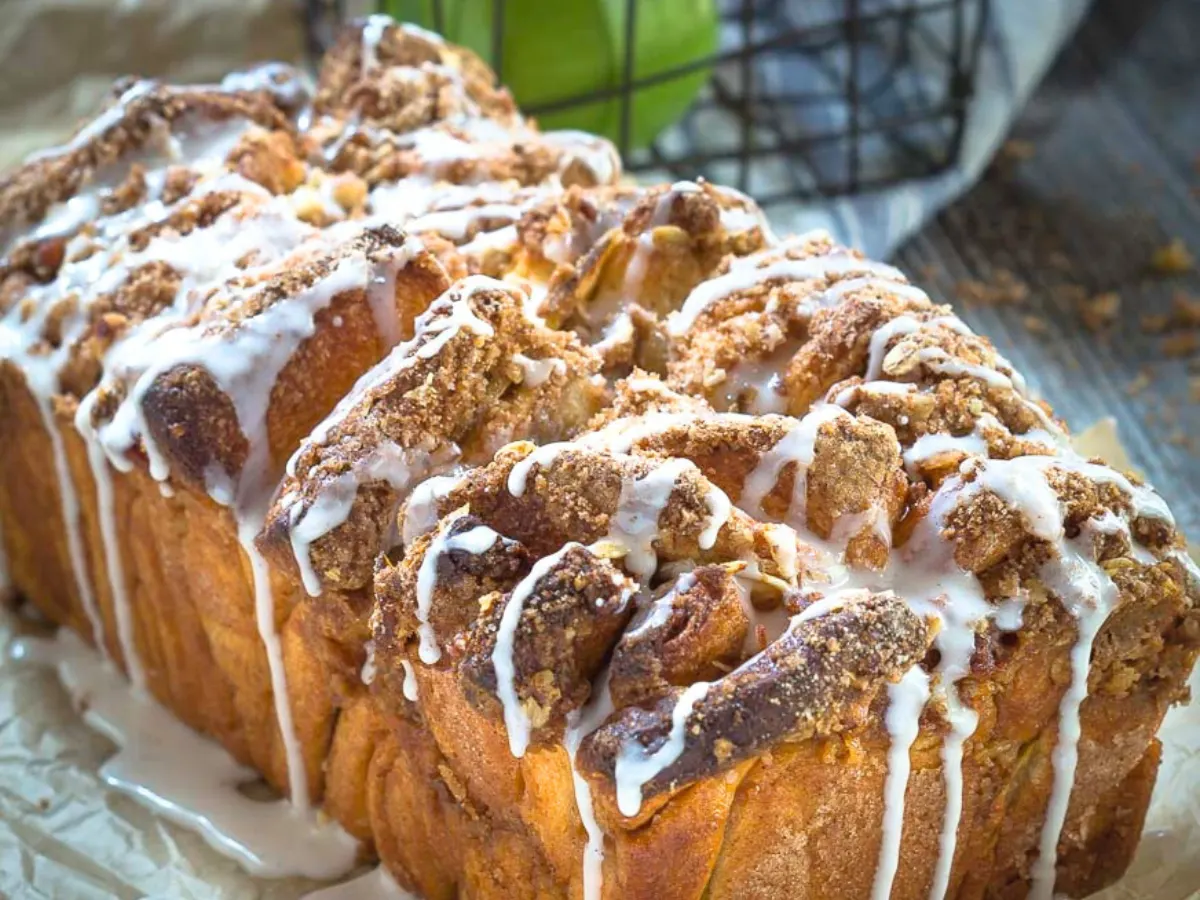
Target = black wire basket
(804,98)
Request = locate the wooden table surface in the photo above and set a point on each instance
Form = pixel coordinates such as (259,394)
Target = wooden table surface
(1104,170)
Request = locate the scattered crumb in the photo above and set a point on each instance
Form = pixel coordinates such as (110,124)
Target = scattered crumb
(1155,323)
(1140,382)
(1035,324)
(1185,343)
(1177,438)
(1172,259)
(1017,150)
(1003,289)
(1061,261)
(1194,388)
(1100,311)
(1069,293)
(1185,310)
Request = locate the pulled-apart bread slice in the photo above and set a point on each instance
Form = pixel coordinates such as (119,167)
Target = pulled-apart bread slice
(423,140)
(836,477)
(565,598)
(478,372)
(839,580)
(362,76)
(738,338)
(172,194)
(146,127)
(229,389)
(396,102)
(613,287)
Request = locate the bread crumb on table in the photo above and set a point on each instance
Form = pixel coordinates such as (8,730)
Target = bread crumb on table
(1172,258)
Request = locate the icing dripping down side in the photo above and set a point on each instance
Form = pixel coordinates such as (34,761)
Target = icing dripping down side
(264,615)
(906,699)
(580,724)
(635,767)
(516,720)
(70,513)
(106,513)
(477,540)
(376,884)
(1090,594)
(6,583)
(269,839)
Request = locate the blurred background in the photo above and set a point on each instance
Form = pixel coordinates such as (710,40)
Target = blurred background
(1036,163)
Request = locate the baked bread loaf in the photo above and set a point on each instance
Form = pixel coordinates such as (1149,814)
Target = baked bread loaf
(562,538)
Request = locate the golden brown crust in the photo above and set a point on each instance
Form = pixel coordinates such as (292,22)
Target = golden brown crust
(694,531)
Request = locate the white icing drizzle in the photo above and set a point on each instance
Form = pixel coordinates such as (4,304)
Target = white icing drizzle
(70,514)
(6,582)
(410,681)
(376,884)
(635,767)
(110,540)
(537,372)
(516,720)
(659,611)
(269,839)
(758,383)
(370,667)
(595,153)
(104,270)
(475,541)
(846,396)
(798,446)
(719,510)
(928,446)
(963,722)
(420,515)
(99,125)
(880,339)
(748,271)
(245,364)
(543,456)
(906,699)
(288,86)
(581,723)
(372,33)
(432,331)
(928,574)
(926,571)
(938,360)
(249,525)
(634,526)
(1089,594)
(388,463)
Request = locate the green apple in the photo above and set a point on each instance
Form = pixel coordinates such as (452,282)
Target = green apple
(554,50)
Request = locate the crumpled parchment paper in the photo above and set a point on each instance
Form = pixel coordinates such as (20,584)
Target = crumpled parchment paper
(63,834)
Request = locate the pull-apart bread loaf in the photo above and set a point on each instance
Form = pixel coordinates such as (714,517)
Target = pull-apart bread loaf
(562,538)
